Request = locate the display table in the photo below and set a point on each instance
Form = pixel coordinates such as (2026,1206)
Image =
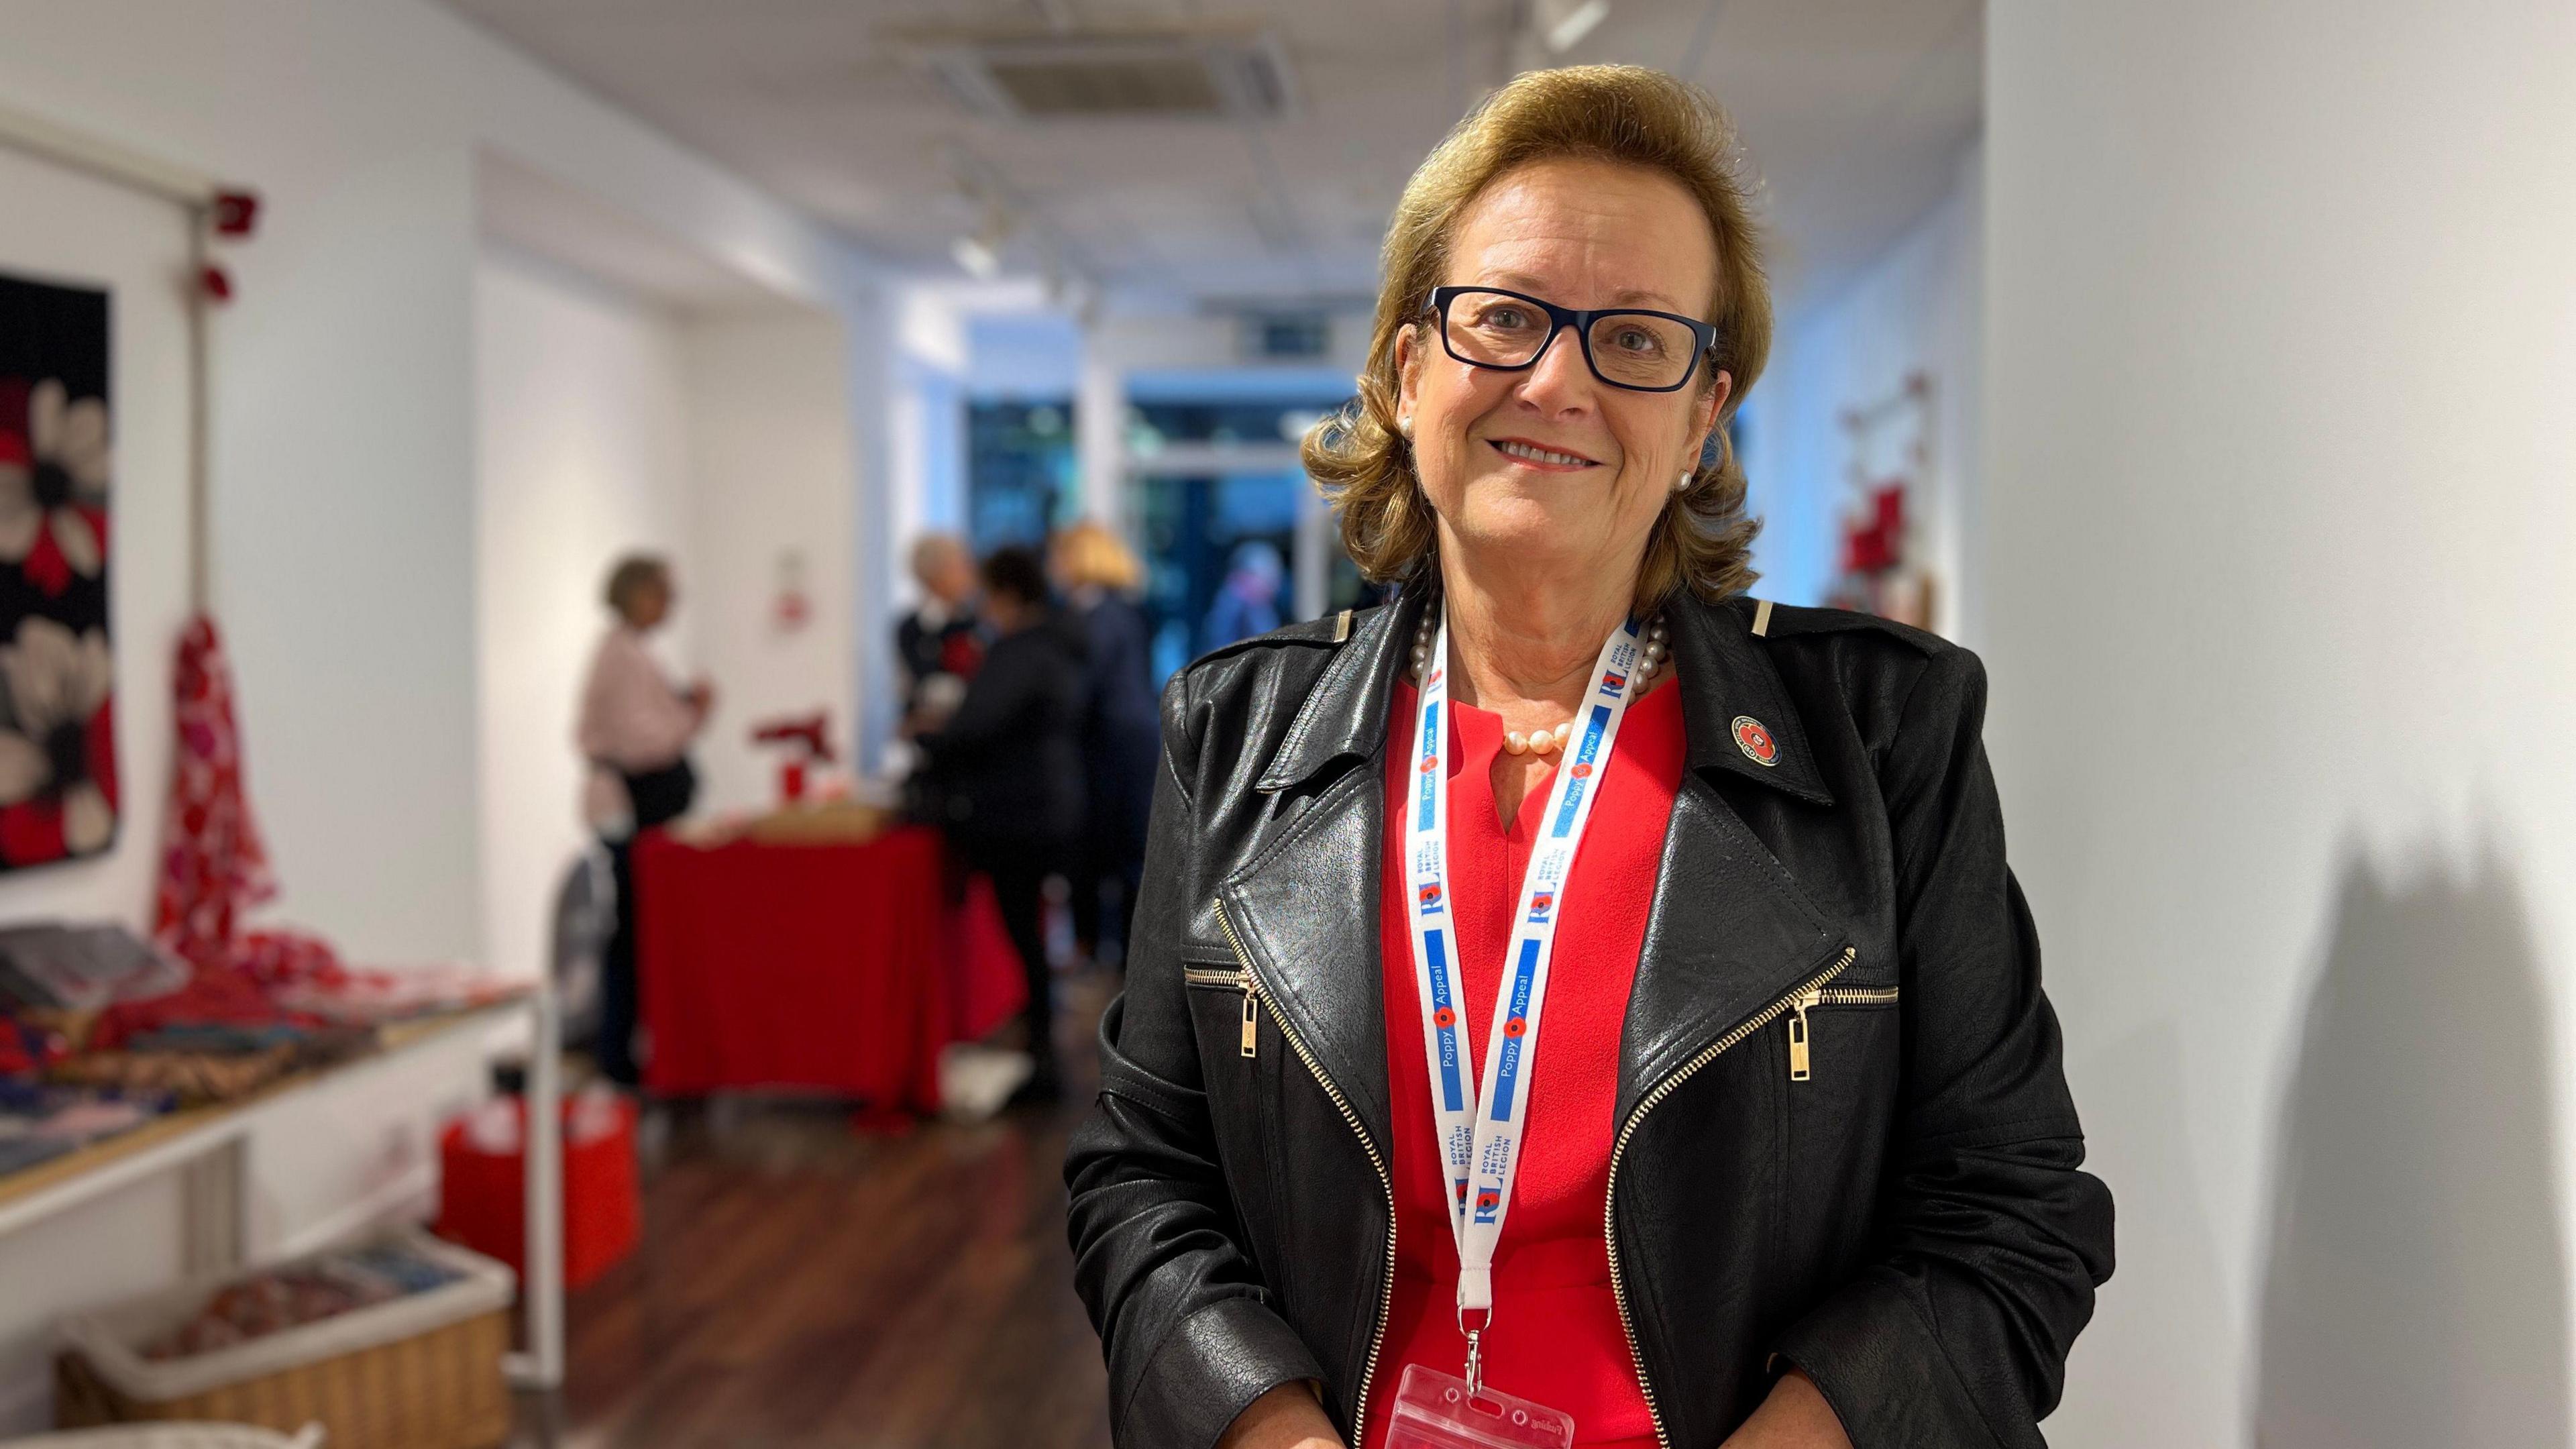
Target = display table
(212,1225)
(831,965)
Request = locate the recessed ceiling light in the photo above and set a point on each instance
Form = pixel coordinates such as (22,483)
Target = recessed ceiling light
(1562,24)
(977,256)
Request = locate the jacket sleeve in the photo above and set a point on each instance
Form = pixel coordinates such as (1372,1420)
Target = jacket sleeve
(1992,1238)
(990,717)
(1189,1329)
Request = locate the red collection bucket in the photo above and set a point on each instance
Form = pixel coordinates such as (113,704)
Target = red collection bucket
(482,1195)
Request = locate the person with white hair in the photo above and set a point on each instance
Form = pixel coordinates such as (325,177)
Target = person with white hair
(938,645)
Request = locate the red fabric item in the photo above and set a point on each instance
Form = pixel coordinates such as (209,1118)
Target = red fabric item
(985,984)
(961,654)
(834,967)
(214,870)
(1556,1336)
(483,1202)
(213,866)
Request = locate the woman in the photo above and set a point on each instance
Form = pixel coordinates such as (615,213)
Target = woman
(634,730)
(1005,773)
(1795,1163)
(1121,734)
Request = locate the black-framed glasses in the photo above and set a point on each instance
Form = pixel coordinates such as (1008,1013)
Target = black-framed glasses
(1627,347)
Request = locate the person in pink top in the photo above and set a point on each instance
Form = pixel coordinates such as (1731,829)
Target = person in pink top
(634,731)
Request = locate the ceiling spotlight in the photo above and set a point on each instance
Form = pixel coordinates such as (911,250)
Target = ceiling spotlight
(980,259)
(1562,24)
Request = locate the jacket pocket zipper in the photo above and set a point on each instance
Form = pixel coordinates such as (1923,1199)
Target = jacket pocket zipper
(1385,1177)
(1619,1150)
(1801,1064)
(1220,979)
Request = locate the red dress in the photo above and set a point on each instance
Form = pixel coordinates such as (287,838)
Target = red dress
(1556,1336)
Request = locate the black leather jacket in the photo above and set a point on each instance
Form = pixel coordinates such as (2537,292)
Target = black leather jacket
(1906,1220)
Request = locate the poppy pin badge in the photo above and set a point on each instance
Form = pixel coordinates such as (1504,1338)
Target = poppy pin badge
(1755,741)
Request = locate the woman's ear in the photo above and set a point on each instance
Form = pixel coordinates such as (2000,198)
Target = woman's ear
(1720,388)
(1408,373)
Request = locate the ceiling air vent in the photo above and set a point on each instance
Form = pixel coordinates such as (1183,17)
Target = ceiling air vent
(1091,75)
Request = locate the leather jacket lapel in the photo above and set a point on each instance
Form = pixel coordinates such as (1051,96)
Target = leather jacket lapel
(1304,909)
(1730,932)
(1305,913)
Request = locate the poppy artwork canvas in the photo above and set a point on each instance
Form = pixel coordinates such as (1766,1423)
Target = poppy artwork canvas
(58,785)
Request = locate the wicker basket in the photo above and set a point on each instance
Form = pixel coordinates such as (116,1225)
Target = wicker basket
(421,1372)
(173,1436)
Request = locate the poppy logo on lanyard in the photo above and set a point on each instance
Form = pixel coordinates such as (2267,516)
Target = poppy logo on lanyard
(1755,741)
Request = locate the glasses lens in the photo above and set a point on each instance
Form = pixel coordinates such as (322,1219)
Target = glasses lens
(1637,349)
(1495,329)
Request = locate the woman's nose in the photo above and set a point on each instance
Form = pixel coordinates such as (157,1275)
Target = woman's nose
(1560,379)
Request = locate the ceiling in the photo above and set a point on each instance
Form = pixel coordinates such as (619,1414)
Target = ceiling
(1853,113)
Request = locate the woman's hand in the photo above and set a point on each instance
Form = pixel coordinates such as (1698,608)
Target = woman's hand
(1287,1417)
(1795,1416)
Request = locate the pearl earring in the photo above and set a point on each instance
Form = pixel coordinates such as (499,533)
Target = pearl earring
(1404,425)
(1684,482)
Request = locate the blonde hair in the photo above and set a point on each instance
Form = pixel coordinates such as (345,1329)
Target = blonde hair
(1618,113)
(1090,553)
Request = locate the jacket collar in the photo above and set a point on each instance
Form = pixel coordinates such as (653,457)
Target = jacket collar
(1726,676)
(1345,713)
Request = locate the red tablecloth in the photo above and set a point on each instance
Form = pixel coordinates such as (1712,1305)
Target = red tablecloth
(828,966)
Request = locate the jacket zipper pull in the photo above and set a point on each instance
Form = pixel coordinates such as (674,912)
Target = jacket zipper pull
(1251,1020)
(1800,1064)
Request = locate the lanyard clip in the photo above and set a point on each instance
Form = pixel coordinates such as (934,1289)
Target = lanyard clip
(1475,1346)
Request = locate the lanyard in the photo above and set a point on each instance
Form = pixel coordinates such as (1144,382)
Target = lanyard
(1480,1136)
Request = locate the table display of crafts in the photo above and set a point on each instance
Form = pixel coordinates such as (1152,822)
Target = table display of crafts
(101,1031)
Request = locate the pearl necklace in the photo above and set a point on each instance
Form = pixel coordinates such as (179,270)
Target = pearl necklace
(1649,660)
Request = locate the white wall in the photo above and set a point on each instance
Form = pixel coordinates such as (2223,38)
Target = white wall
(2282,339)
(771,472)
(584,456)
(343,434)
(344,508)
(1916,308)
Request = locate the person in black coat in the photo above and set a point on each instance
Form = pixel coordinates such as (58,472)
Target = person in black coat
(1122,735)
(1006,770)
(939,644)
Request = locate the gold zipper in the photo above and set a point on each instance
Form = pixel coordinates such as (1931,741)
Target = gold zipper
(1233,980)
(1619,1150)
(1800,1064)
(1385,1179)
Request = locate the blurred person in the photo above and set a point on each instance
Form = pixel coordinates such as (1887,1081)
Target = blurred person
(1121,732)
(1789,1160)
(634,730)
(939,643)
(1005,772)
(1247,603)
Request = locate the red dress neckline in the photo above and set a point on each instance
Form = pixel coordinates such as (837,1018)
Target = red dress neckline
(1557,1337)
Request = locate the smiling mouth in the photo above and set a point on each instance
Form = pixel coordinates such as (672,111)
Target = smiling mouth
(1545,457)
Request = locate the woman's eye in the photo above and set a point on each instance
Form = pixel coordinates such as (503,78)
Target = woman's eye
(1636,339)
(1509,319)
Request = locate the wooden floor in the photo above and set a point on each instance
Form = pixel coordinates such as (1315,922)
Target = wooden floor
(802,1284)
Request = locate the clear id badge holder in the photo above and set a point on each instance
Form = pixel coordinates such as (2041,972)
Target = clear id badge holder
(1434,1410)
